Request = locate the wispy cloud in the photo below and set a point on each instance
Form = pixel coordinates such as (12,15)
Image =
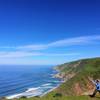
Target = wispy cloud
(35,50)
(65,42)
(32,47)
(60,43)
(76,41)
(20,54)
(60,54)
(17,54)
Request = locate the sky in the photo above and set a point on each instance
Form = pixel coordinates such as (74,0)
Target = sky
(48,32)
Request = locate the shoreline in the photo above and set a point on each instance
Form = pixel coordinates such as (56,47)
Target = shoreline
(50,90)
(19,95)
(35,92)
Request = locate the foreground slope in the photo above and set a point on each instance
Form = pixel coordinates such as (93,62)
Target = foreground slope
(50,97)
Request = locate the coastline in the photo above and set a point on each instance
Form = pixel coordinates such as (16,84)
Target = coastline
(57,75)
(50,90)
(35,91)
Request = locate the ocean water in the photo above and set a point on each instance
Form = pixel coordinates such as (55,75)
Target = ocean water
(17,81)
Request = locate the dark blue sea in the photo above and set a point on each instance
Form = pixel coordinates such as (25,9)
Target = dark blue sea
(26,80)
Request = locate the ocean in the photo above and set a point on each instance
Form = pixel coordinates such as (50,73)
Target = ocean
(17,81)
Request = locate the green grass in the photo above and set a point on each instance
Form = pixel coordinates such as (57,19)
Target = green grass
(50,97)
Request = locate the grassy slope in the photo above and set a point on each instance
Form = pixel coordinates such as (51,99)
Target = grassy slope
(83,69)
(50,97)
(62,98)
(86,68)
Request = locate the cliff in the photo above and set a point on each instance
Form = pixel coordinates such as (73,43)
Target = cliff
(76,76)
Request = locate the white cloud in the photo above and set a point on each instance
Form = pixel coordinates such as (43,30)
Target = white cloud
(20,54)
(76,41)
(19,61)
(61,54)
(65,42)
(60,43)
(32,47)
(28,58)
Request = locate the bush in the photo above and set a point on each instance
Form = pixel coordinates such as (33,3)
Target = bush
(58,95)
(24,97)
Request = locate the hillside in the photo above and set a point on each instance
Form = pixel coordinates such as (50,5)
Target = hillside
(77,85)
(76,76)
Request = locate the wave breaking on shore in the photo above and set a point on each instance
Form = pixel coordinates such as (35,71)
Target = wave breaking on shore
(32,92)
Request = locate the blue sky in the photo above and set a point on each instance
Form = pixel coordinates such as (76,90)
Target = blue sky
(46,32)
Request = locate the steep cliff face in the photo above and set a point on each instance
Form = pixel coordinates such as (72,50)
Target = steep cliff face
(76,76)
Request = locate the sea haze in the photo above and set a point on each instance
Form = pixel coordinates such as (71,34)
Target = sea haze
(18,79)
